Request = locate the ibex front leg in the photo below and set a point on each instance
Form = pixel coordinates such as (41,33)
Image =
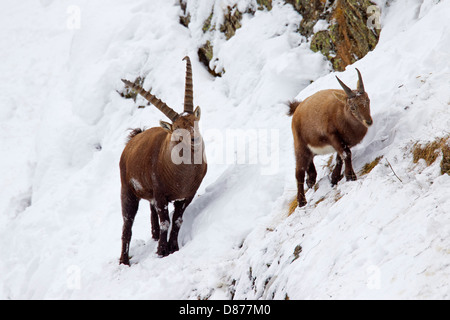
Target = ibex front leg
(343,153)
(180,207)
(164,225)
(350,175)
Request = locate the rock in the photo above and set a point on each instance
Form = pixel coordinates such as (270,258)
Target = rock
(207,24)
(322,42)
(185,19)
(205,55)
(128,93)
(232,22)
(264,4)
(348,38)
(311,11)
(351,36)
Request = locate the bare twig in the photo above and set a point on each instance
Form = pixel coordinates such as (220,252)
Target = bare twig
(393,170)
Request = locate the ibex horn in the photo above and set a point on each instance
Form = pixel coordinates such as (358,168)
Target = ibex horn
(189,89)
(347,90)
(164,108)
(360,83)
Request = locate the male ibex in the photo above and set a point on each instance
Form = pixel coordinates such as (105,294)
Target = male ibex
(326,122)
(148,170)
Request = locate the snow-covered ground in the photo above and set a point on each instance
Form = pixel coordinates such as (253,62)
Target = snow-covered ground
(63,128)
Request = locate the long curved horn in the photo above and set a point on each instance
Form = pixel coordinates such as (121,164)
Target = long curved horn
(189,89)
(347,90)
(164,108)
(360,82)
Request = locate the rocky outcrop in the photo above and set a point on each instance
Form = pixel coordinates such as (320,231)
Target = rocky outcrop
(205,55)
(231,23)
(185,18)
(346,38)
(264,4)
(311,11)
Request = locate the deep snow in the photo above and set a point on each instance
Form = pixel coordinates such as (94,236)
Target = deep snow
(63,128)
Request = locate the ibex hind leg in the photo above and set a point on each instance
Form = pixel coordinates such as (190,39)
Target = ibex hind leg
(303,159)
(154,221)
(336,176)
(312,175)
(130,204)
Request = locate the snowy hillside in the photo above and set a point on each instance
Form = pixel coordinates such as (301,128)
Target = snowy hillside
(64,126)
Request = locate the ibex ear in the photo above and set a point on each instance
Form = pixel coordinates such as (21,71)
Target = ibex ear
(166,126)
(341,97)
(198,113)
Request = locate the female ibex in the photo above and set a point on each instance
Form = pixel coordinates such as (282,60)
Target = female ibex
(326,122)
(150,168)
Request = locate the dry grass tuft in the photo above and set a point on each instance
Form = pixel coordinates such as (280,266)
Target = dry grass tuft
(298,249)
(294,204)
(320,200)
(445,163)
(329,163)
(292,207)
(369,166)
(338,196)
(431,151)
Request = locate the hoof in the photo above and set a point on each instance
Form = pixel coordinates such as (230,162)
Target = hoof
(311,183)
(335,180)
(351,177)
(301,202)
(124,261)
(163,251)
(173,248)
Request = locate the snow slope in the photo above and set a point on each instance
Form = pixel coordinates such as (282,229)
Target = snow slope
(63,128)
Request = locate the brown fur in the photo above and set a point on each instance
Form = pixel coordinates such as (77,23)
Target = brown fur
(336,118)
(147,171)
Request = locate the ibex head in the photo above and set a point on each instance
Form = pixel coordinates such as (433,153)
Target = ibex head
(181,124)
(185,127)
(186,124)
(358,101)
